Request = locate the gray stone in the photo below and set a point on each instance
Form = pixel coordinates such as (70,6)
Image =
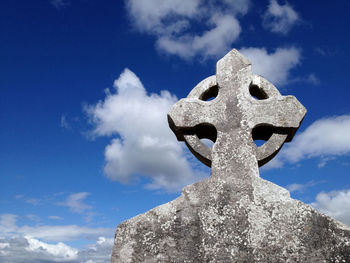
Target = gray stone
(233,216)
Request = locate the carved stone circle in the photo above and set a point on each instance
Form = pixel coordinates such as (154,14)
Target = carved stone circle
(237,102)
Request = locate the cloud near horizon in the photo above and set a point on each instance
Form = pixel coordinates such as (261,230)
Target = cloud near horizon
(18,249)
(22,243)
(335,204)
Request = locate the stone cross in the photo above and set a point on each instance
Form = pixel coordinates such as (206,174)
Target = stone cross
(234,215)
(232,109)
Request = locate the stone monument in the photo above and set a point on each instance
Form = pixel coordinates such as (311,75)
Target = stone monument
(233,216)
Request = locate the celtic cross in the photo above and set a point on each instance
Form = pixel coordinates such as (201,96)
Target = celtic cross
(233,108)
(234,215)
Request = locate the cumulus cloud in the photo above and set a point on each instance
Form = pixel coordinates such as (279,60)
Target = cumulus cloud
(60,251)
(280,18)
(144,145)
(275,66)
(211,43)
(75,202)
(172,22)
(335,204)
(326,138)
(99,252)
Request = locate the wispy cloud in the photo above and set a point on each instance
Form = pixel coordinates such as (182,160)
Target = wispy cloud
(59,4)
(55,217)
(280,18)
(64,123)
(34,218)
(75,202)
(9,227)
(313,79)
(8,223)
(302,187)
(29,200)
(33,201)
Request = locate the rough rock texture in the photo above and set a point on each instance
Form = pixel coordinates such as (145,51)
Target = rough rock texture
(233,216)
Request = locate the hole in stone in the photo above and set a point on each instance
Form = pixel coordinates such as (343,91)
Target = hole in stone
(205,132)
(259,142)
(262,133)
(207,142)
(257,92)
(210,93)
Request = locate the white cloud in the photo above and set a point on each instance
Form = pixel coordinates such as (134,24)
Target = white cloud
(274,66)
(21,243)
(145,145)
(7,223)
(335,204)
(150,15)
(62,233)
(59,251)
(280,18)
(75,202)
(98,252)
(326,138)
(8,227)
(213,42)
(31,250)
(301,187)
(172,23)
(295,187)
(4,245)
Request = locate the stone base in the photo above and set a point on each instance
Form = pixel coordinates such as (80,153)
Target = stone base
(213,222)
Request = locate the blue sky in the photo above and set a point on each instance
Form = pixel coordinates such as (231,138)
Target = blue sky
(85,88)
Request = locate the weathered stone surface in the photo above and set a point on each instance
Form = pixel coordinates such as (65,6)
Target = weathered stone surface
(233,216)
